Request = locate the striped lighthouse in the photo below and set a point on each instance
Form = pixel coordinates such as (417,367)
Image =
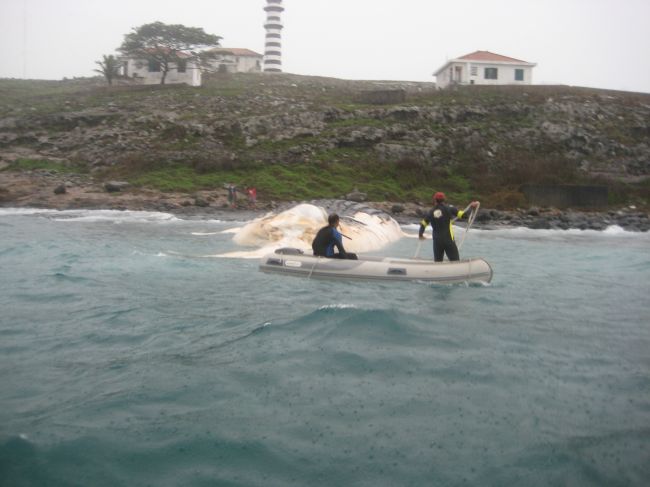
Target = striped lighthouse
(273,46)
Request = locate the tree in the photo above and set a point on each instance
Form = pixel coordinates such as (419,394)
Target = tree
(109,67)
(168,46)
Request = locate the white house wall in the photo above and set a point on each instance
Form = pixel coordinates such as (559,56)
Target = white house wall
(140,69)
(505,74)
(238,64)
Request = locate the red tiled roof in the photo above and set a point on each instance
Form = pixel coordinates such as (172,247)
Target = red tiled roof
(490,56)
(236,51)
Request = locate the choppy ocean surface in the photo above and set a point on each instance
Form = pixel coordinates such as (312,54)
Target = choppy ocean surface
(128,358)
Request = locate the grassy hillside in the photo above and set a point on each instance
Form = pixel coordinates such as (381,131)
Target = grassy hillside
(296,137)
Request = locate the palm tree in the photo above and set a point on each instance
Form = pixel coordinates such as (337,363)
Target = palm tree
(109,67)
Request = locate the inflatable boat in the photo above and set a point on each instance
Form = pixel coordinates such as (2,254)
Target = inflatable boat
(295,262)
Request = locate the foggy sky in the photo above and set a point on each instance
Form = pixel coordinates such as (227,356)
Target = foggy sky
(595,43)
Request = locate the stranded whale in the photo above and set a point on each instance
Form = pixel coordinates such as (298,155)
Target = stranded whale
(368,229)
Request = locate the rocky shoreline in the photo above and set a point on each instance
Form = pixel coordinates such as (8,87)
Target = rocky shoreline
(41,189)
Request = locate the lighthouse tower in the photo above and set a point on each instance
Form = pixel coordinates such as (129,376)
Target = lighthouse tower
(273,46)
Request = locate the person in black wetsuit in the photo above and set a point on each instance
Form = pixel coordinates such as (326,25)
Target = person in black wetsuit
(329,237)
(440,218)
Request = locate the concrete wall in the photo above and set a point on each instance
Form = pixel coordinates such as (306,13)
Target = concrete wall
(565,196)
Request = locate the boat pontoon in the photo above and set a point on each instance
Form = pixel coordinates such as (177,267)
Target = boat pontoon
(295,262)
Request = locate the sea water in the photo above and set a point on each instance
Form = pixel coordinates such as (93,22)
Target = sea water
(129,356)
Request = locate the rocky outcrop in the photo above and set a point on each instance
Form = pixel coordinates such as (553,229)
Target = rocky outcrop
(628,219)
(598,132)
(116,186)
(291,119)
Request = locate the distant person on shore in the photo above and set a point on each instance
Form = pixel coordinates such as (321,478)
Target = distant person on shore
(252,197)
(329,237)
(232,195)
(440,218)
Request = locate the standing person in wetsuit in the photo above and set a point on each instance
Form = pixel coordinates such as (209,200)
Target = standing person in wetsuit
(440,218)
(329,237)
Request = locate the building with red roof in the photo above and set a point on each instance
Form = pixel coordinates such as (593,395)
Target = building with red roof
(184,70)
(236,60)
(149,71)
(484,68)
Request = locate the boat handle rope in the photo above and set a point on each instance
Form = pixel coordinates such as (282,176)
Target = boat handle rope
(470,221)
(312,268)
(417,251)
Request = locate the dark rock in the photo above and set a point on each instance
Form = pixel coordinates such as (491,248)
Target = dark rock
(115,186)
(357,196)
(397,209)
(201,202)
(60,189)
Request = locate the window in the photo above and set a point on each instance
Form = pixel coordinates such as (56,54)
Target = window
(154,66)
(491,73)
(181,65)
(474,70)
(519,74)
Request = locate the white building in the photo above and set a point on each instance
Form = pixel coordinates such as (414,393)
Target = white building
(226,60)
(484,68)
(236,60)
(149,72)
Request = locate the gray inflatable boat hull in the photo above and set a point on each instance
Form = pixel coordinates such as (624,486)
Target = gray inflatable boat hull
(295,263)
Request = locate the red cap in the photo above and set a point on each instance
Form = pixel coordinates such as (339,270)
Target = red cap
(439,196)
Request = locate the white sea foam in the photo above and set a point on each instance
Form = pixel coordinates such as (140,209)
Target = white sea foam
(113,216)
(411,226)
(116,216)
(337,306)
(26,211)
(613,230)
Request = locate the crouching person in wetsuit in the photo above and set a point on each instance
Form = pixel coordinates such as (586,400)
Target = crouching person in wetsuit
(440,218)
(329,237)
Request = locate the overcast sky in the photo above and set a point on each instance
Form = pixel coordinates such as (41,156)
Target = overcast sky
(596,43)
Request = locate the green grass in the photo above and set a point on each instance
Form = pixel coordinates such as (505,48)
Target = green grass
(332,179)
